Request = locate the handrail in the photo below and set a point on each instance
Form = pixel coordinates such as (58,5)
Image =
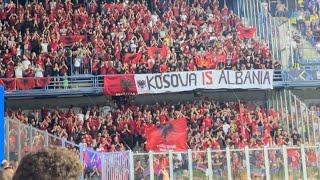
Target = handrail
(93,84)
(87,81)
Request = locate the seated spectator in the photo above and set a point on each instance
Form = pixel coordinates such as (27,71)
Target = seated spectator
(52,163)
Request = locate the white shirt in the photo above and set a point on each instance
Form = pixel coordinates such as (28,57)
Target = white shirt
(39,72)
(77,62)
(18,72)
(44,47)
(154,18)
(81,117)
(25,64)
(225,128)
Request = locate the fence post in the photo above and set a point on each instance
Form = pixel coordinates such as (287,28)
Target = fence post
(296,112)
(238,8)
(286,108)
(151,170)
(285,162)
(209,163)
(30,135)
(103,166)
(266,162)
(131,164)
(290,44)
(19,140)
(281,106)
(304,165)
(63,142)
(314,125)
(190,164)
(302,124)
(46,139)
(308,124)
(81,151)
(229,163)
(291,110)
(171,164)
(246,151)
(7,126)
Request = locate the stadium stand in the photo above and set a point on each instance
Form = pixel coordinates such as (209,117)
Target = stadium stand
(211,124)
(38,41)
(121,47)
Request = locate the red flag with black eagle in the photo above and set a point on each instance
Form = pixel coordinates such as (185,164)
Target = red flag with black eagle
(132,58)
(170,136)
(117,85)
(25,83)
(154,51)
(9,84)
(246,33)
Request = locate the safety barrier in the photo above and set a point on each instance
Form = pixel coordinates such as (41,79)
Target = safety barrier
(85,84)
(295,115)
(294,162)
(22,138)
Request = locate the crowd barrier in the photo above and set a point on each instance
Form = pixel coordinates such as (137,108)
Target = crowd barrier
(292,162)
(294,115)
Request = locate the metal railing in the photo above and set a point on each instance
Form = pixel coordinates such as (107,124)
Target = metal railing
(22,139)
(91,84)
(294,115)
(293,162)
(86,83)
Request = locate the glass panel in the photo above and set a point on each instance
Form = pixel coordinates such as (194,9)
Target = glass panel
(180,166)
(92,163)
(219,164)
(118,163)
(25,139)
(13,141)
(141,166)
(54,141)
(161,166)
(72,147)
(200,164)
(238,164)
(257,165)
(38,140)
(276,164)
(294,163)
(312,162)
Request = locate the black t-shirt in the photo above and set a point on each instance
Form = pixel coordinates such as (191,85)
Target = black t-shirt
(295,138)
(228,66)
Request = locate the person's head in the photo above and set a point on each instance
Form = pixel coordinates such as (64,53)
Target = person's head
(51,163)
(5,164)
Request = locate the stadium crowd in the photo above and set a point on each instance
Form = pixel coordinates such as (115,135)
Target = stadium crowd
(307,20)
(57,39)
(211,124)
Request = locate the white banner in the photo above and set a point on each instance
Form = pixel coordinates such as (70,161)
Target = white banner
(206,79)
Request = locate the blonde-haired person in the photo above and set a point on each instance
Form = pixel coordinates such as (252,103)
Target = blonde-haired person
(7,171)
(49,164)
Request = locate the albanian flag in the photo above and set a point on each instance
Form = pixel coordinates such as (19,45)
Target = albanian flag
(170,136)
(132,58)
(118,85)
(154,51)
(9,84)
(246,33)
